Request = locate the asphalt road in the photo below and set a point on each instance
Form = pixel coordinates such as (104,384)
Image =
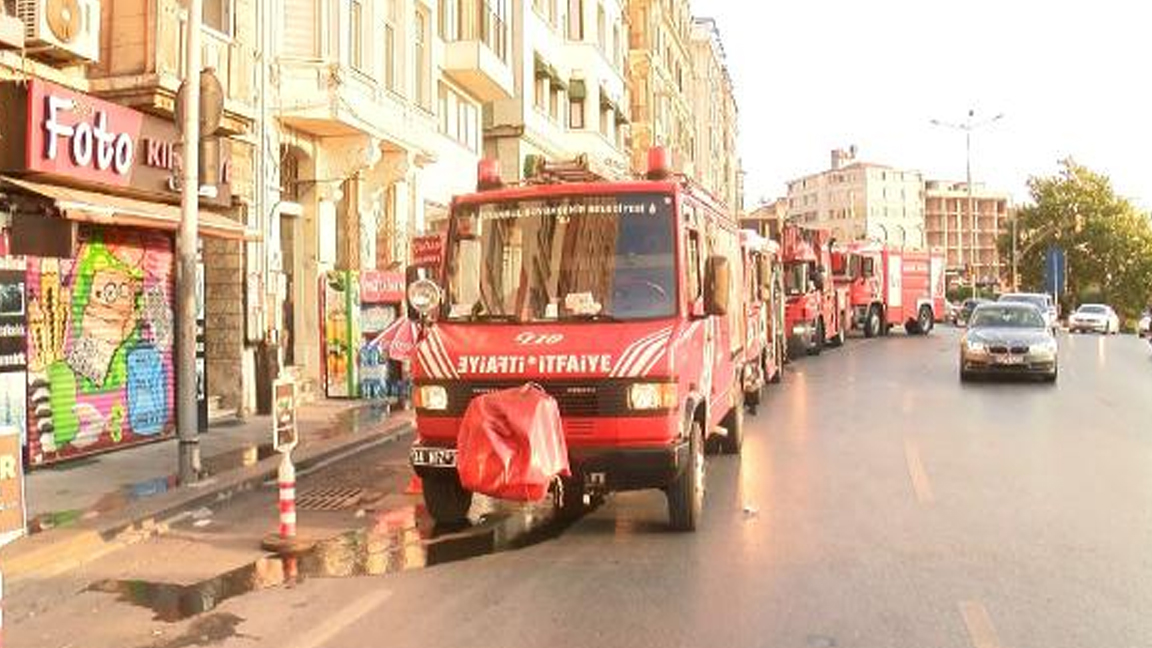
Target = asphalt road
(878,503)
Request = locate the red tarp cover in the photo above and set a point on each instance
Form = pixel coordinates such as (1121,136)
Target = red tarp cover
(511,444)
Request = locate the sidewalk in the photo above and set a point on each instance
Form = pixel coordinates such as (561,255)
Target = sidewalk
(82,510)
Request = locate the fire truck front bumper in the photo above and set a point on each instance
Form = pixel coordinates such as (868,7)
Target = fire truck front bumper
(801,338)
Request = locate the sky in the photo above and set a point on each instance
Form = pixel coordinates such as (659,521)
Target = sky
(1070,78)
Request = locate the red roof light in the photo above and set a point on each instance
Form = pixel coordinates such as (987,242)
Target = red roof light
(659,163)
(488,175)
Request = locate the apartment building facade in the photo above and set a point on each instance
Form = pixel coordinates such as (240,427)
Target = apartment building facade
(570,95)
(717,162)
(970,245)
(660,78)
(768,219)
(861,201)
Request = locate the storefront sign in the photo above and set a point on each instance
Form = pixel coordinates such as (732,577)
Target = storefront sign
(11,486)
(428,250)
(82,138)
(377,287)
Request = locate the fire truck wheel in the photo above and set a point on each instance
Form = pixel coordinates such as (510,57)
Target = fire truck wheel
(445,498)
(817,339)
(569,502)
(838,341)
(732,442)
(686,493)
(925,321)
(872,322)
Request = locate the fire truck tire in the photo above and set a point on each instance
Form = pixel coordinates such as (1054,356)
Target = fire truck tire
(445,498)
(838,340)
(780,361)
(686,493)
(872,322)
(569,503)
(925,321)
(817,339)
(733,442)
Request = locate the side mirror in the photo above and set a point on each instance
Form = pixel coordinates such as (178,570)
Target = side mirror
(766,293)
(717,280)
(424,295)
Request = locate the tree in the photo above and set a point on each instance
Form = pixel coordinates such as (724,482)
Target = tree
(1108,242)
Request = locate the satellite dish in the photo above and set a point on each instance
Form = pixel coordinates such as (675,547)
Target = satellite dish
(211,102)
(64,19)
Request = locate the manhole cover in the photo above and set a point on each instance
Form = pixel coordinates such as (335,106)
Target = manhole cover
(328,499)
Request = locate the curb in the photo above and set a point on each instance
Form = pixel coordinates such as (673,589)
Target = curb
(54,552)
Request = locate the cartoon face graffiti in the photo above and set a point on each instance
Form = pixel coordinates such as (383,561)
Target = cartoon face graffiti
(111,306)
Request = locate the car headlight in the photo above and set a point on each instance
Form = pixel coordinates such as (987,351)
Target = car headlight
(1048,346)
(431,397)
(652,396)
(976,347)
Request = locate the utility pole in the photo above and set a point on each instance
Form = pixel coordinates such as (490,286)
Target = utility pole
(187,411)
(968,125)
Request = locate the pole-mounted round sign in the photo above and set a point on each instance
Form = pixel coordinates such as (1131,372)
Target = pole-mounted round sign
(211,103)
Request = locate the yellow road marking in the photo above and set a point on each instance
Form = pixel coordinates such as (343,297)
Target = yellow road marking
(916,472)
(339,622)
(981,632)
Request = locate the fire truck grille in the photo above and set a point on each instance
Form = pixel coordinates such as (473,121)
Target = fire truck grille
(578,400)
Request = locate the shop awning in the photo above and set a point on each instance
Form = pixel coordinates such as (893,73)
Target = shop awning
(106,209)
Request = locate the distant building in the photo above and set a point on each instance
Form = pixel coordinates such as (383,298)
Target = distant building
(660,76)
(948,223)
(716,164)
(767,219)
(861,201)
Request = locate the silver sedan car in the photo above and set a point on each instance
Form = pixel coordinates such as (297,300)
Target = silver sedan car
(1008,338)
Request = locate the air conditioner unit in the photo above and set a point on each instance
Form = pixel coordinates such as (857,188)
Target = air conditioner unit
(61,29)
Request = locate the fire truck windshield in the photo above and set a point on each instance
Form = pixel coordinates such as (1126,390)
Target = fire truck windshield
(796,277)
(593,257)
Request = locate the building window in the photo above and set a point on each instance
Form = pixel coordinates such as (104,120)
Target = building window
(356,34)
(576,20)
(554,106)
(391,53)
(541,98)
(616,55)
(601,33)
(217,15)
(576,113)
(604,122)
(448,20)
(422,59)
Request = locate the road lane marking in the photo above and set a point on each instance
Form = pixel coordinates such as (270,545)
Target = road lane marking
(981,632)
(916,472)
(340,621)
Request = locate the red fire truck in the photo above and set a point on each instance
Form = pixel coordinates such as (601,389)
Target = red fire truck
(891,286)
(617,298)
(765,342)
(816,310)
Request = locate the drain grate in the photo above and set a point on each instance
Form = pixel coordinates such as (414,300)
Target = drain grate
(328,499)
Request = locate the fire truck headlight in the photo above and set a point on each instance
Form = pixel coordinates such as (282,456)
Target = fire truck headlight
(800,329)
(652,396)
(431,397)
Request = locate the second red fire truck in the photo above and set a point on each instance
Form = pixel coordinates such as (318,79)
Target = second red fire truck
(765,341)
(622,300)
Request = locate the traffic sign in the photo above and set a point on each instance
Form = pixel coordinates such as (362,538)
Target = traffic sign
(284,433)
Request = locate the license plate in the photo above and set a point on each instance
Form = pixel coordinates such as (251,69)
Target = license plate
(434,457)
(1010,359)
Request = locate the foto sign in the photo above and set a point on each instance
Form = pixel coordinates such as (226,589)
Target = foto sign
(284,433)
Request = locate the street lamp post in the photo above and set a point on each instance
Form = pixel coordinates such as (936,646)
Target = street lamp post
(968,125)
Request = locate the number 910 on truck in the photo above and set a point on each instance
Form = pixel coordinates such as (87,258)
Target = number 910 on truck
(621,299)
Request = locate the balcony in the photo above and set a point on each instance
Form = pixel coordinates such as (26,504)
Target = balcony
(477,58)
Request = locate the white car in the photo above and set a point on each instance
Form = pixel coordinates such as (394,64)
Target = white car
(1099,318)
(1144,328)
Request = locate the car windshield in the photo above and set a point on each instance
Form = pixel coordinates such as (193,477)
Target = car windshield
(797,276)
(567,257)
(997,316)
(1092,309)
(1039,301)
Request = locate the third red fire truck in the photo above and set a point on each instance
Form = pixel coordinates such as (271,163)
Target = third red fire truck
(890,286)
(622,300)
(816,311)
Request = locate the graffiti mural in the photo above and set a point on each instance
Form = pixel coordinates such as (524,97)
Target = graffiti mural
(100,336)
